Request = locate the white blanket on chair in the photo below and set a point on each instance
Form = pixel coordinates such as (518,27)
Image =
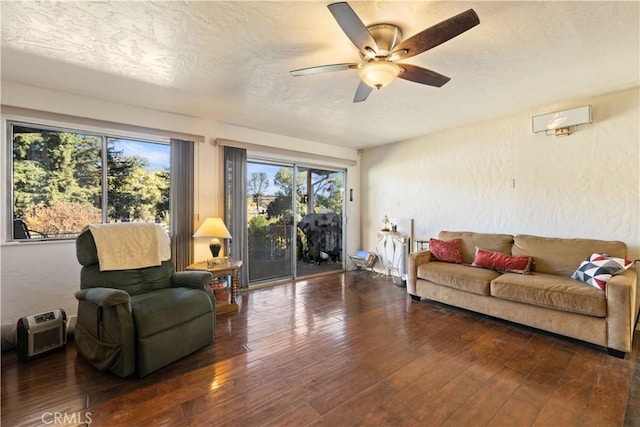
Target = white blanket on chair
(124,246)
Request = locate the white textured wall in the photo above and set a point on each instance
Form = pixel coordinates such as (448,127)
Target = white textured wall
(37,277)
(583,185)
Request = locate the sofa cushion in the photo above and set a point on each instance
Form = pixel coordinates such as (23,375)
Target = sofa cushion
(502,262)
(156,311)
(470,240)
(551,291)
(446,250)
(562,256)
(462,277)
(599,268)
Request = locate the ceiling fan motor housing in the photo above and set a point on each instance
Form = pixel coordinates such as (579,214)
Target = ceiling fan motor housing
(387,36)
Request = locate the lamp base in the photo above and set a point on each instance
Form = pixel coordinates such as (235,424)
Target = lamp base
(214,247)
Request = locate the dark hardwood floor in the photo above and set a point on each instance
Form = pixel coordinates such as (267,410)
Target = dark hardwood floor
(341,350)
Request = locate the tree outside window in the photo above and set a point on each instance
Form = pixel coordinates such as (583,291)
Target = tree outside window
(59,185)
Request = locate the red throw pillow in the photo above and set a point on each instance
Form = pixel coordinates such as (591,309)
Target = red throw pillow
(446,250)
(502,262)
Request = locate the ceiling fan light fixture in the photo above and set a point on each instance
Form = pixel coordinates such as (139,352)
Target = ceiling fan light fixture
(378,74)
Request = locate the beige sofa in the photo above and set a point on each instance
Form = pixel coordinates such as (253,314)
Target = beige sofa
(547,299)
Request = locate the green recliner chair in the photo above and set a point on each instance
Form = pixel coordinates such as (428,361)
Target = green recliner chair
(140,320)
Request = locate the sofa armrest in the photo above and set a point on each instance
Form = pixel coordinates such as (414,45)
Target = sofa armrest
(104,333)
(622,309)
(415,259)
(103,297)
(195,280)
(191,279)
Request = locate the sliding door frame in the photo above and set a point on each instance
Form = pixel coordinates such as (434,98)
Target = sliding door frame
(296,165)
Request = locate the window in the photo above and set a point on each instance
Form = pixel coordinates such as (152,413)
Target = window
(60,183)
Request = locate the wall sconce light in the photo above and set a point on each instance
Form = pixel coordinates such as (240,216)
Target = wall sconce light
(562,123)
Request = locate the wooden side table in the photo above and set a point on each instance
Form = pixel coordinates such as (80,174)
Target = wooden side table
(230,268)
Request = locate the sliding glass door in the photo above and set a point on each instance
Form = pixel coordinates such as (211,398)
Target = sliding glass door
(270,221)
(319,220)
(294,220)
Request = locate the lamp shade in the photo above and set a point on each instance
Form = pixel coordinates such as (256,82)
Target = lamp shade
(215,228)
(378,74)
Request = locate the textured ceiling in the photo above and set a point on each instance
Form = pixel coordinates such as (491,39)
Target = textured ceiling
(230,61)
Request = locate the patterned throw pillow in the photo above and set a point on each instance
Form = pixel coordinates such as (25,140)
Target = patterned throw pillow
(503,263)
(599,268)
(446,250)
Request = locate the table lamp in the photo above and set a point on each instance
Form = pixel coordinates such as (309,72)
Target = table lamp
(215,228)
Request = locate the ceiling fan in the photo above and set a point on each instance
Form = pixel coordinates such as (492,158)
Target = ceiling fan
(380,47)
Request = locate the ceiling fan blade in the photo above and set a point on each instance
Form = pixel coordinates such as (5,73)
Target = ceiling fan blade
(437,34)
(362,92)
(353,27)
(422,75)
(323,69)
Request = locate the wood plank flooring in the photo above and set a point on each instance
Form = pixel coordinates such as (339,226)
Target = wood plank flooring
(342,350)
